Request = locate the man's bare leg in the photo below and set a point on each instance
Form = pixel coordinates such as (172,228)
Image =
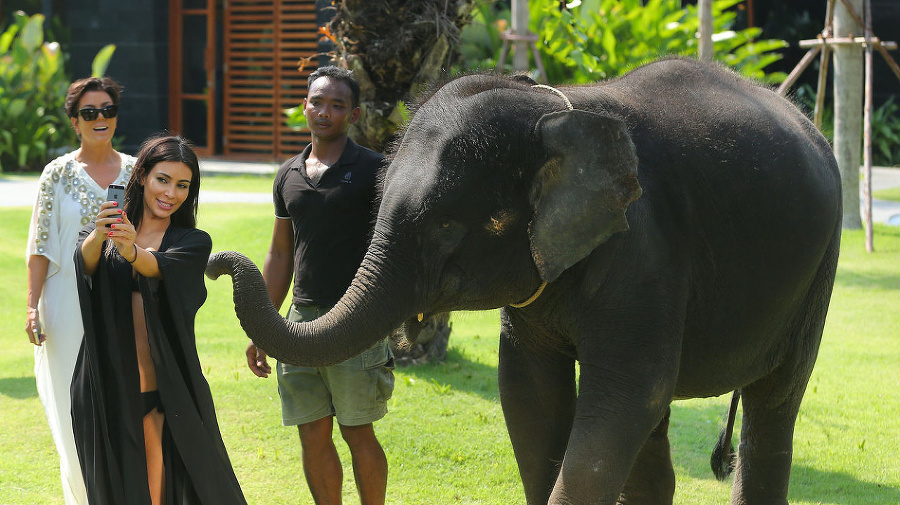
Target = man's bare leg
(369,463)
(321,464)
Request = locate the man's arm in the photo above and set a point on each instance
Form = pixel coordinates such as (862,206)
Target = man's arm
(278,271)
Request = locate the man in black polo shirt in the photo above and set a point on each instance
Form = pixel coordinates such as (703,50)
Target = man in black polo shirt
(324,208)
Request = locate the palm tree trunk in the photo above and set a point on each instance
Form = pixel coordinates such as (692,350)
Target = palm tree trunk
(395,49)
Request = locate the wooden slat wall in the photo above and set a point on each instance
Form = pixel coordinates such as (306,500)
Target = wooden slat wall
(264,39)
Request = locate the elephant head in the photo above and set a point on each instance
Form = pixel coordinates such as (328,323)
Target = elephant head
(494,190)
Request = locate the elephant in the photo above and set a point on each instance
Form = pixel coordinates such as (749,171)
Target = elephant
(675,231)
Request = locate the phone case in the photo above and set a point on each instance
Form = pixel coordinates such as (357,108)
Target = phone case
(116,193)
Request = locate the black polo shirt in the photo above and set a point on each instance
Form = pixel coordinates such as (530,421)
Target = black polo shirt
(331,220)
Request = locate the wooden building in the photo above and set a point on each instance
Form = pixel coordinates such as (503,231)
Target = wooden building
(219,72)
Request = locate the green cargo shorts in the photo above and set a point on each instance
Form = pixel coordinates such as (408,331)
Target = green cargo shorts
(355,391)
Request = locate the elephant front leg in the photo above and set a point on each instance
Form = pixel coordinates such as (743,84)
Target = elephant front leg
(652,478)
(618,411)
(537,393)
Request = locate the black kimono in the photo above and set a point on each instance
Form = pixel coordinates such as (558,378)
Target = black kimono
(107,413)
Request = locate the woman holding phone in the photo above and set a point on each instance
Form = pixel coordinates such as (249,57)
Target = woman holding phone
(72,187)
(145,424)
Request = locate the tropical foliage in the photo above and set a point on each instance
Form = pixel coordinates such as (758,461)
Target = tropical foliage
(589,40)
(395,48)
(33,84)
(885,126)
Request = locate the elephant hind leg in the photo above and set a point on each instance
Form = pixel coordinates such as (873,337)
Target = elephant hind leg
(770,407)
(652,478)
(772,403)
(763,466)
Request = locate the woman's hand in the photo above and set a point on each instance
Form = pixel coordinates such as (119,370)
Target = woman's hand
(109,215)
(107,222)
(33,327)
(122,233)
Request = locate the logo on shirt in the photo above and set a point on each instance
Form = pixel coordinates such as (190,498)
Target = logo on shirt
(346,179)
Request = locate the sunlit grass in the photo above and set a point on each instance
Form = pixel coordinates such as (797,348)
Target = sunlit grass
(892,194)
(238,183)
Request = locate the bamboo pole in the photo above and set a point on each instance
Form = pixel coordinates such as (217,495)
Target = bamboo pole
(867,134)
(520,28)
(825,60)
(795,74)
(819,111)
(705,50)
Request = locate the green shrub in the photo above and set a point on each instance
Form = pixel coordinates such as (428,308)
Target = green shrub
(885,125)
(886,134)
(33,87)
(599,39)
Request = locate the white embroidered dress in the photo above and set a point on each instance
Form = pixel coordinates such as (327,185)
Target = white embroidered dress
(68,198)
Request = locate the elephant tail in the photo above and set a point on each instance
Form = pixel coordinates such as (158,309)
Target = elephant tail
(723,457)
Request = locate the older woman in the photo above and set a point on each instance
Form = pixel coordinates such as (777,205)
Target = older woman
(72,187)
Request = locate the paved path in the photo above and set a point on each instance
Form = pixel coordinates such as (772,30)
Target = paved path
(21,191)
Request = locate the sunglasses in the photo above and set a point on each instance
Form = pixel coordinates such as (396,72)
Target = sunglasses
(90,113)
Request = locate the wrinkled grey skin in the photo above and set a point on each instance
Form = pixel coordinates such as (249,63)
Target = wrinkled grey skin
(718,278)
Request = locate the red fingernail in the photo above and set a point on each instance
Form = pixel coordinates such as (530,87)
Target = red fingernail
(120,220)
(110,234)
(112,226)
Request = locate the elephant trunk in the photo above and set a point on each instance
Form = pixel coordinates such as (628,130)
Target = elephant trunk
(355,323)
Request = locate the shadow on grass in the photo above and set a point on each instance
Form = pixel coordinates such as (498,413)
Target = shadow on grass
(813,485)
(852,279)
(459,374)
(693,432)
(20,388)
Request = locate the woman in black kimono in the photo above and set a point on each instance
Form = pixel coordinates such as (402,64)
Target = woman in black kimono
(145,426)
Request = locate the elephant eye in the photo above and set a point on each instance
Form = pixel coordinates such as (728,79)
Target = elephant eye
(445,224)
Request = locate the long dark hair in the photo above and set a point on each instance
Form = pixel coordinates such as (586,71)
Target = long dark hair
(155,150)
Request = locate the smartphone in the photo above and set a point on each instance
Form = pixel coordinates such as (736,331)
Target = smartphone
(116,193)
(37,330)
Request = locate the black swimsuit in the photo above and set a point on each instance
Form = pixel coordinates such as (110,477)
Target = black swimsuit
(149,399)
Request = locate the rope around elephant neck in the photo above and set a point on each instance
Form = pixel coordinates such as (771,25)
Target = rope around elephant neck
(543,285)
(556,91)
(532,298)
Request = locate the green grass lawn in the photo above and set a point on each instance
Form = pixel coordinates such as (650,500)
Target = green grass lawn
(892,194)
(238,183)
(444,436)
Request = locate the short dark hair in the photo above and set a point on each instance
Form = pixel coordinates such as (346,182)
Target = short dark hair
(78,88)
(338,74)
(155,150)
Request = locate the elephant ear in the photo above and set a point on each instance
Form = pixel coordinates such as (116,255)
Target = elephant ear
(581,193)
